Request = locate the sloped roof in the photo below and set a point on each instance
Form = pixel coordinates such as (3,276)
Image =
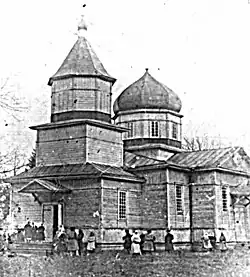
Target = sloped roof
(81,61)
(132,161)
(230,158)
(205,158)
(88,170)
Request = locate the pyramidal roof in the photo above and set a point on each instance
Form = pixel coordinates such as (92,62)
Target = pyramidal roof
(81,61)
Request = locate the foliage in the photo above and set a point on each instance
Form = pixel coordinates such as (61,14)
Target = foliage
(4,202)
(32,159)
(232,263)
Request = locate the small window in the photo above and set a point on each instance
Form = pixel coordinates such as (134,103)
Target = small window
(174,130)
(224,199)
(155,128)
(122,205)
(178,198)
(131,129)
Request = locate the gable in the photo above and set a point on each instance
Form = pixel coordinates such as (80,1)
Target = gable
(38,185)
(238,160)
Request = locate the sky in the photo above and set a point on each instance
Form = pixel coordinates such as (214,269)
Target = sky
(198,48)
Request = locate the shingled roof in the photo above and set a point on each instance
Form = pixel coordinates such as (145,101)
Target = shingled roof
(89,170)
(81,61)
(210,158)
(230,158)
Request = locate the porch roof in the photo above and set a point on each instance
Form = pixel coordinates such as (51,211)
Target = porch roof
(86,170)
(38,185)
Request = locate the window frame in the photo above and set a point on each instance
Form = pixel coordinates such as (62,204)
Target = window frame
(174,130)
(122,207)
(179,199)
(154,128)
(224,197)
(130,126)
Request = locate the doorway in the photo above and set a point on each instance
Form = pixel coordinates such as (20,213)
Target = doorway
(52,218)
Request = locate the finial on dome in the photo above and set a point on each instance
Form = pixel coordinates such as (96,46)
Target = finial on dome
(146,69)
(82,26)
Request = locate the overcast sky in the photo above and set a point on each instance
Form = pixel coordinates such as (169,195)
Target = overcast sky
(198,48)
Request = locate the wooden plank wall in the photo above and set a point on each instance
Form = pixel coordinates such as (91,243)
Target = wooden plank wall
(75,144)
(110,191)
(178,220)
(154,204)
(104,146)
(62,145)
(142,124)
(29,208)
(80,93)
(203,206)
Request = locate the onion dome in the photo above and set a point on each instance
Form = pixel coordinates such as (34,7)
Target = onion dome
(147,93)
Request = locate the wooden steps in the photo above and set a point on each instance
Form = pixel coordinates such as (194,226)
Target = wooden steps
(41,249)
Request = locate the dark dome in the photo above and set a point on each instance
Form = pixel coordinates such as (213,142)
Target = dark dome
(147,93)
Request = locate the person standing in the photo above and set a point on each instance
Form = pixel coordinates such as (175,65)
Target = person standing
(33,230)
(169,241)
(135,247)
(142,237)
(127,241)
(41,233)
(79,238)
(72,241)
(206,242)
(28,232)
(223,242)
(91,244)
(149,242)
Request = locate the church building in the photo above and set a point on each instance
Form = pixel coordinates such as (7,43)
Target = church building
(106,174)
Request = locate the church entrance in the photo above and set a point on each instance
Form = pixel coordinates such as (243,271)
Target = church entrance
(52,217)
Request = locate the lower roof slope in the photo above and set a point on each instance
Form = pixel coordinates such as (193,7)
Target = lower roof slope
(71,170)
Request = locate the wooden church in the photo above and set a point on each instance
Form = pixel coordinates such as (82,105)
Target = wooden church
(106,174)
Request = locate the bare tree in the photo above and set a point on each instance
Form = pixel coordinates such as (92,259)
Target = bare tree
(12,162)
(9,102)
(202,143)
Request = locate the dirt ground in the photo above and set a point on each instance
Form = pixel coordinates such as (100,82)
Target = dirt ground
(232,263)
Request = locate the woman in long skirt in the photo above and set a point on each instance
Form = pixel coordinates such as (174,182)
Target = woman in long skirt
(135,247)
(149,242)
(91,243)
(223,242)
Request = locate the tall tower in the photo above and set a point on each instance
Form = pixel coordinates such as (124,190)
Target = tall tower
(80,130)
(81,88)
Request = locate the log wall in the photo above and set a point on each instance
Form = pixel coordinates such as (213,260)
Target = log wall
(79,144)
(142,124)
(104,146)
(78,93)
(110,194)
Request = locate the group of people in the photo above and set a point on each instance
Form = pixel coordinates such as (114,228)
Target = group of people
(136,244)
(31,232)
(72,241)
(209,242)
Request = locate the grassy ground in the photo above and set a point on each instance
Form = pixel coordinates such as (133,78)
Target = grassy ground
(232,263)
